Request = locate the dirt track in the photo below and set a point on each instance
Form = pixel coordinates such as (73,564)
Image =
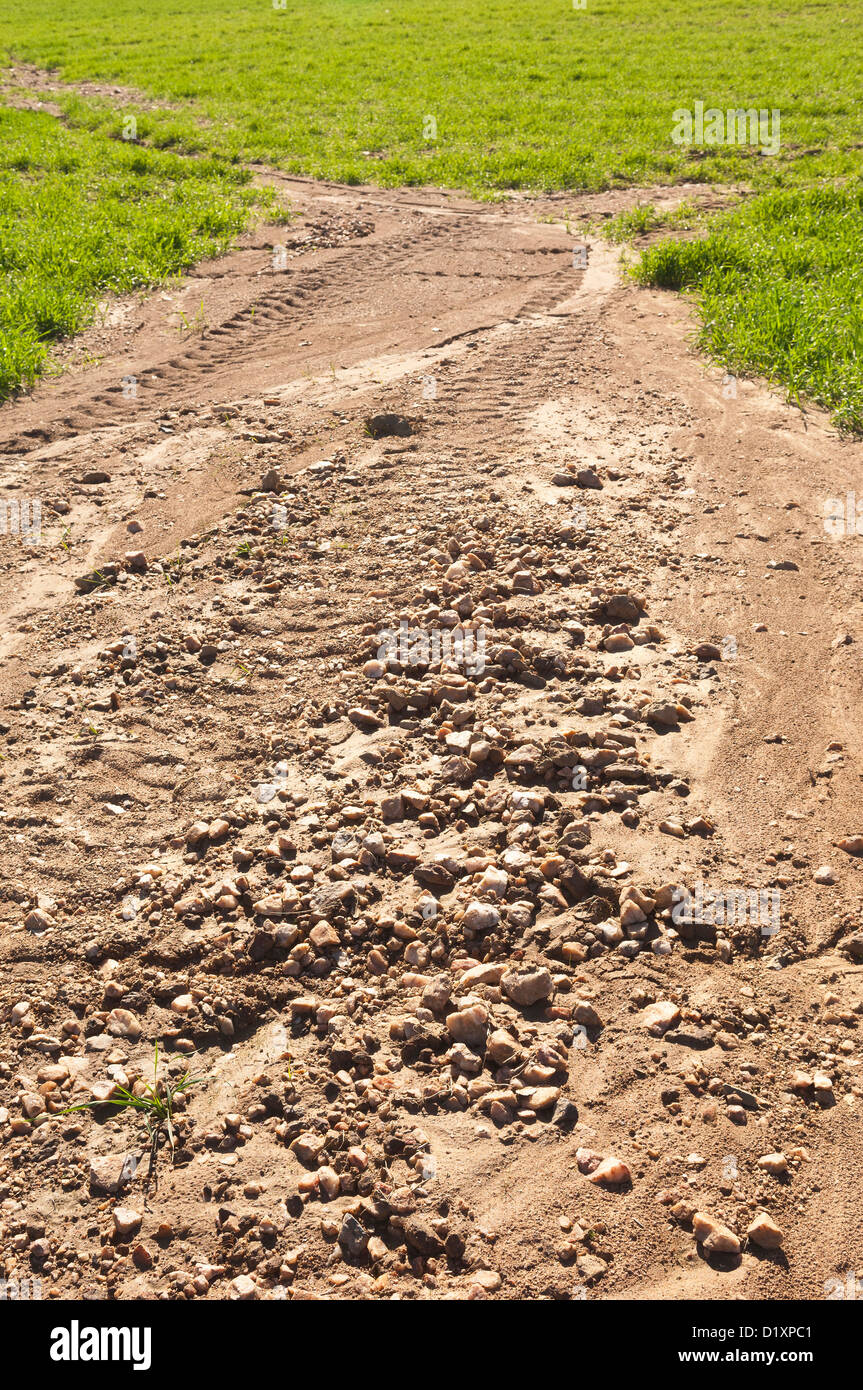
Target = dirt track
(123,729)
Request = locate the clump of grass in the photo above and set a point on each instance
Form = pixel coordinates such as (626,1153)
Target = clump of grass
(156,1105)
(174,569)
(779,288)
(632,222)
(197,323)
(644,218)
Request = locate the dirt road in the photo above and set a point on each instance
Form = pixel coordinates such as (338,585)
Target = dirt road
(421,928)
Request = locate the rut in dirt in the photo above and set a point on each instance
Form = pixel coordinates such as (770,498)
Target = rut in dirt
(411,917)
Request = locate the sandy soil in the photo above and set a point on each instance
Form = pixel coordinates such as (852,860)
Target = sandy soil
(411,926)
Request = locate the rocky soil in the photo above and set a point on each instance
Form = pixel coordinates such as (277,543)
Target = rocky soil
(414,626)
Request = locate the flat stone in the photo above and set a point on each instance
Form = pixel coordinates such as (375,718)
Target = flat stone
(584,1013)
(611,1170)
(659,1017)
(591,1268)
(698,1038)
(38,920)
(127,1222)
(123,1024)
(716,1238)
(528,988)
(765,1232)
(353,1237)
(543,1097)
(480,917)
(421,1235)
(110,1172)
(308,1146)
(324,937)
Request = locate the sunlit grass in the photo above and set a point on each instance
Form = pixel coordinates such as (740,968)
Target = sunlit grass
(482,96)
(779,286)
(81,215)
(491,97)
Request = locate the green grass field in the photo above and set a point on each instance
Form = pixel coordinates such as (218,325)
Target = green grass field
(81,215)
(529,95)
(539,95)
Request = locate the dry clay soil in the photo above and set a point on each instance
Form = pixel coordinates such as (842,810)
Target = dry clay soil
(374,905)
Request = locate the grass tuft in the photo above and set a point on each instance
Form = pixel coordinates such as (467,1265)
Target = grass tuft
(156,1105)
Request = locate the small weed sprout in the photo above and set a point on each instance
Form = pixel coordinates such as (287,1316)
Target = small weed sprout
(196,324)
(156,1106)
(295,1069)
(174,571)
(87,725)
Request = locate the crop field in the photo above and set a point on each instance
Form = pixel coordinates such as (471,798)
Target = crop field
(498,96)
(540,96)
